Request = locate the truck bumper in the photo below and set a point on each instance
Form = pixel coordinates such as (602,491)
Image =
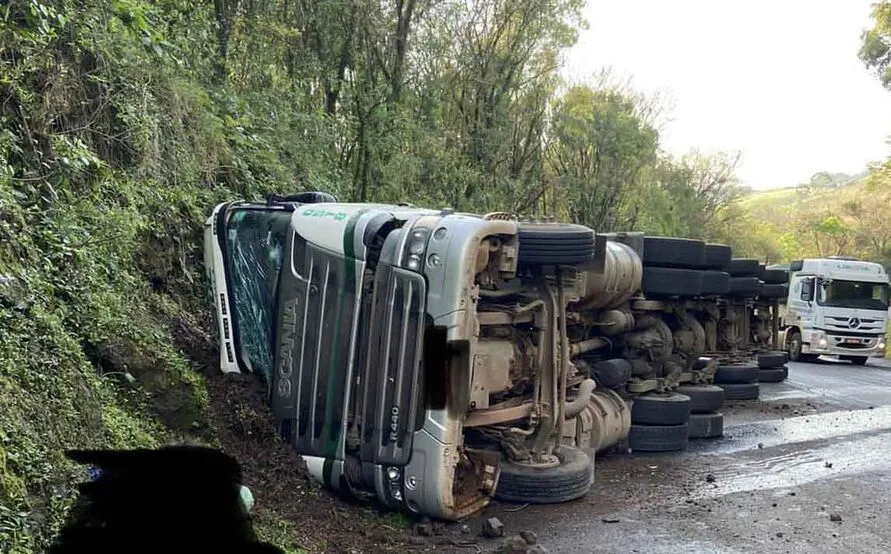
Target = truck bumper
(820,342)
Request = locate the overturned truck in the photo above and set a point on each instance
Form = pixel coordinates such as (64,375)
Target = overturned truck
(432,360)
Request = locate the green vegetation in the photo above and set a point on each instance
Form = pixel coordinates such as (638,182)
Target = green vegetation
(842,216)
(123,122)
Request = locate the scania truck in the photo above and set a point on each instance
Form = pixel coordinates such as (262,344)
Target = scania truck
(836,307)
(432,359)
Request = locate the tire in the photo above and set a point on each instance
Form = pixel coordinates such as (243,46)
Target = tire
(795,354)
(673,252)
(703,398)
(717,256)
(567,481)
(774,276)
(744,267)
(658,438)
(611,373)
(773,375)
(744,286)
(660,409)
(857,360)
(740,391)
(772,359)
(662,281)
(742,373)
(555,244)
(706,426)
(773,291)
(715,283)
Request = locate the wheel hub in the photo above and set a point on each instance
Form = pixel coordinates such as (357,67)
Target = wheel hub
(541,462)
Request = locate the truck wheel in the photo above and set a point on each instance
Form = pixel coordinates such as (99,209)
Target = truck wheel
(774,276)
(772,359)
(856,360)
(673,252)
(567,481)
(611,373)
(664,281)
(744,267)
(715,283)
(703,398)
(744,286)
(740,391)
(795,353)
(717,256)
(706,426)
(773,375)
(742,373)
(773,291)
(658,438)
(660,409)
(555,244)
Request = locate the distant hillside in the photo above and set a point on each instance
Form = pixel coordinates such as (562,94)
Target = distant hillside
(825,193)
(824,216)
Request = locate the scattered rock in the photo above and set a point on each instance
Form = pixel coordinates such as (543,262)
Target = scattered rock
(792,493)
(465,529)
(536,549)
(828,465)
(760,445)
(780,535)
(514,544)
(424,528)
(529,537)
(774,505)
(610,520)
(835,535)
(493,528)
(709,478)
(835,516)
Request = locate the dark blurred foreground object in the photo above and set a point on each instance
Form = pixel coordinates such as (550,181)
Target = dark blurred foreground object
(170,500)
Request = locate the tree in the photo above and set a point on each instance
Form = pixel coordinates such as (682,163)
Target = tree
(875,43)
(598,151)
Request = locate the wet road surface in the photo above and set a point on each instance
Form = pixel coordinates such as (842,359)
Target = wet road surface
(815,446)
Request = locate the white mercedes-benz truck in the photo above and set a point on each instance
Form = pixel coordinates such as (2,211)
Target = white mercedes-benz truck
(835,307)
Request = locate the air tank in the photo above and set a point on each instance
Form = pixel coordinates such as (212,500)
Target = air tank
(620,279)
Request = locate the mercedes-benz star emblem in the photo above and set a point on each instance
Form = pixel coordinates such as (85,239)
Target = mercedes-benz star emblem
(853,323)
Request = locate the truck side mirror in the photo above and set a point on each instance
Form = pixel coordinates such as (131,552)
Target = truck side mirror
(807,290)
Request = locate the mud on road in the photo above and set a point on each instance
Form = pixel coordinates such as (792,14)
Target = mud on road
(805,469)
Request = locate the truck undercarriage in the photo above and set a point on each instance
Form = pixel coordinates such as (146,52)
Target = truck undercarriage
(432,360)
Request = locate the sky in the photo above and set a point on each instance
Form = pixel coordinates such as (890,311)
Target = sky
(778,80)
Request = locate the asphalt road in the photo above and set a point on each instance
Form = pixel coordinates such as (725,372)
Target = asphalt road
(814,449)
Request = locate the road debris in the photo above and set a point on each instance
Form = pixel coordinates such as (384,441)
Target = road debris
(493,528)
(709,478)
(835,516)
(514,544)
(529,537)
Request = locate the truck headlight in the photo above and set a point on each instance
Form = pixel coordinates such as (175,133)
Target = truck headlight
(415,248)
(822,342)
(880,345)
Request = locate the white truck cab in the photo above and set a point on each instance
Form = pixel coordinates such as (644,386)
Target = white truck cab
(837,307)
